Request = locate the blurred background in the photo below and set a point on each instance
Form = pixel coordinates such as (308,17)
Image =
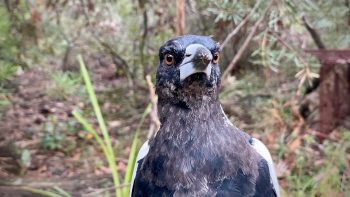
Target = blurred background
(286,81)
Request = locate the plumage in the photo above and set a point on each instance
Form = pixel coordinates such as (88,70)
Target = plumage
(197,150)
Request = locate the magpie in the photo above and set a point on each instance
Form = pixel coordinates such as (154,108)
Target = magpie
(197,150)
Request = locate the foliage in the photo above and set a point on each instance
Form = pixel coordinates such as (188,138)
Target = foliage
(64,84)
(326,17)
(4,100)
(104,28)
(55,135)
(232,11)
(15,31)
(325,179)
(6,71)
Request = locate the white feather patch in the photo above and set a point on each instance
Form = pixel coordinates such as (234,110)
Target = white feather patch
(142,153)
(227,121)
(264,152)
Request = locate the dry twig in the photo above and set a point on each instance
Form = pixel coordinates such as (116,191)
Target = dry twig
(101,191)
(155,123)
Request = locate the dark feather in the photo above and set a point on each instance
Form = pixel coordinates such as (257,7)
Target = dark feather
(263,186)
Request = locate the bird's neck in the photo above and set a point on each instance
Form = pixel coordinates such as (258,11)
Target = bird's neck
(204,109)
(190,123)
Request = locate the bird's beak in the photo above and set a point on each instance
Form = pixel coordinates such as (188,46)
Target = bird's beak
(197,60)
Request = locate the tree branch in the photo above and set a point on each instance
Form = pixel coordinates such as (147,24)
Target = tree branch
(314,34)
(347,4)
(240,25)
(143,38)
(117,59)
(320,45)
(245,44)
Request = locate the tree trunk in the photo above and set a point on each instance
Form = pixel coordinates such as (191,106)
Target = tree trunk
(180,17)
(334,92)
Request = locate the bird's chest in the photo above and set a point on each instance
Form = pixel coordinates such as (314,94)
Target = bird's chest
(194,176)
(201,166)
(197,154)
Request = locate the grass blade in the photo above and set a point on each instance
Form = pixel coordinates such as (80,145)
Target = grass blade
(62,191)
(110,156)
(89,128)
(133,151)
(42,192)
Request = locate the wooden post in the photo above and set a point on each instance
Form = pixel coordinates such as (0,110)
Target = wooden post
(334,92)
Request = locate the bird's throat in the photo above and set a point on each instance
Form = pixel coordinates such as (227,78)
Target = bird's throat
(189,119)
(194,104)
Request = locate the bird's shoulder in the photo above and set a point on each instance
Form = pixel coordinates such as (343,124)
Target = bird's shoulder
(267,178)
(141,154)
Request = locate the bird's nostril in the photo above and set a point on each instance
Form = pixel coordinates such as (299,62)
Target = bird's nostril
(204,57)
(203,54)
(188,55)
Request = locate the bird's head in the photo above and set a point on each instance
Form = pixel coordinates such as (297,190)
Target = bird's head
(188,72)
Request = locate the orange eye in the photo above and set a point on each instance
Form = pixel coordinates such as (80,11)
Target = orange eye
(169,59)
(216,57)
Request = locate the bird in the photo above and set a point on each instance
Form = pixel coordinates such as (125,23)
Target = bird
(197,151)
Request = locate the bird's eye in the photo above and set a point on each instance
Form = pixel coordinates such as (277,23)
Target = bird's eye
(216,57)
(169,59)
